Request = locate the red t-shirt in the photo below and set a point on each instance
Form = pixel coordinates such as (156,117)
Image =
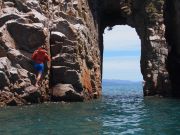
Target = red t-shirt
(40,56)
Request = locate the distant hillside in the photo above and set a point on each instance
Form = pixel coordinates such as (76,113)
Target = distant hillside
(119,82)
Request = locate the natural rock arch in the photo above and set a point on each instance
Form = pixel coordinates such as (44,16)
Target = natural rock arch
(75,31)
(157,24)
(148,20)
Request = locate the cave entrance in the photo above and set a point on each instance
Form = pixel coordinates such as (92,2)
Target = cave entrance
(121,55)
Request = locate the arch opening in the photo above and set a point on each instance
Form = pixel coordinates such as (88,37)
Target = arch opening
(121,56)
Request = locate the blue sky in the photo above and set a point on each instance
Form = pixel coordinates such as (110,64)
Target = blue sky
(121,54)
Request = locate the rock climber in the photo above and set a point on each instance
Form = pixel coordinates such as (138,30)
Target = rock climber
(40,56)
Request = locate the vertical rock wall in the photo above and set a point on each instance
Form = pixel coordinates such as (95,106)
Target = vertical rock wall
(74,50)
(172,21)
(154,48)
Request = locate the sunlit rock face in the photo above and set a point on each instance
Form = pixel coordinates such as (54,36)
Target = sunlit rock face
(21,32)
(71,35)
(73,30)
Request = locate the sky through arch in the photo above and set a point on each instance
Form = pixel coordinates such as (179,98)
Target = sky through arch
(122,49)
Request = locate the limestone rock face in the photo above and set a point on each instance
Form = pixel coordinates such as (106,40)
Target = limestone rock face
(72,31)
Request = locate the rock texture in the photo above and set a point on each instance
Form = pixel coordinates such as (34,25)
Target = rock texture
(172,23)
(65,92)
(21,32)
(68,30)
(73,30)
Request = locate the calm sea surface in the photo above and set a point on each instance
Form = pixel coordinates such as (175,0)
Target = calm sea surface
(122,110)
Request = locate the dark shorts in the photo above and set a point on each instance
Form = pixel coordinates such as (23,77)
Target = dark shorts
(39,67)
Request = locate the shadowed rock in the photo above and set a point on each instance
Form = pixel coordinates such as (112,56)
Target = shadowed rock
(65,92)
(32,94)
(27,36)
(4,80)
(7,17)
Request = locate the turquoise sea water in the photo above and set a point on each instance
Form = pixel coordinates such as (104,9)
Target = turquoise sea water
(122,110)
